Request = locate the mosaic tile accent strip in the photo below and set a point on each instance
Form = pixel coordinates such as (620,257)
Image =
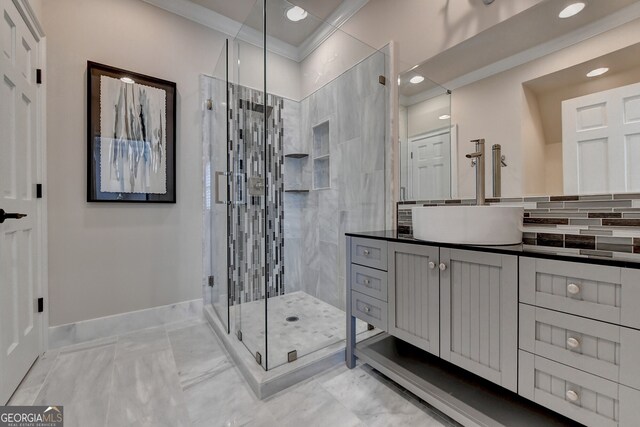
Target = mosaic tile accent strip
(256,221)
(601,224)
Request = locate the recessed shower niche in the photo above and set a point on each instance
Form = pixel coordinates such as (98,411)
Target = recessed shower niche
(295,179)
(321,157)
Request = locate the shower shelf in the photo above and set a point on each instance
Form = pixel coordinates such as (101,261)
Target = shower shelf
(297,155)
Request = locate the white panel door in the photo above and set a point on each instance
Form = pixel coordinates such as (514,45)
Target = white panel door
(20,328)
(601,141)
(430,166)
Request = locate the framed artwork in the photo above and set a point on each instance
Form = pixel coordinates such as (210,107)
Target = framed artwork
(131,136)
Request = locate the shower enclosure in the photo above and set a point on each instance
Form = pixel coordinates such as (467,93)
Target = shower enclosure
(295,155)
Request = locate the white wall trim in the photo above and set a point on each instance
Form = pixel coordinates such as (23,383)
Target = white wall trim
(29,16)
(616,19)
(118,324)
(232,28)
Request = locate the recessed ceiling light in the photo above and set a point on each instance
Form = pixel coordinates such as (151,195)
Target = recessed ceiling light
(127,80)
(416,79)
(597,72)
(296,13)
(444,117)
(571,10)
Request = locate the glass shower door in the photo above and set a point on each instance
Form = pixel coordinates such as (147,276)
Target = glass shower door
(249,217)
(218,202)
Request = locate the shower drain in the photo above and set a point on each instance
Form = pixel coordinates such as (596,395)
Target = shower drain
(292,319)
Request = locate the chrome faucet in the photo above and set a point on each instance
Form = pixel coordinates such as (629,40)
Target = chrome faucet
(479,157)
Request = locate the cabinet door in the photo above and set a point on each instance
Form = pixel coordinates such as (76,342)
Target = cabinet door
(413,284)
(479,314)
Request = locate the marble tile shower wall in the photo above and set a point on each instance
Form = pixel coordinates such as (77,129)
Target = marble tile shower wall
(605,225)
(355,107)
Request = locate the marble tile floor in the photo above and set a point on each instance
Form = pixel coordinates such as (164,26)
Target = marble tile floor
(319,325)
(180,375)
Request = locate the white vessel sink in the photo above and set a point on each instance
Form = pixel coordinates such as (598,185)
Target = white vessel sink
(474,225)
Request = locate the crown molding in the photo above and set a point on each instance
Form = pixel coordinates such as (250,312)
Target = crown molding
(216,21)
(616,19)
(343,12)
(235,29)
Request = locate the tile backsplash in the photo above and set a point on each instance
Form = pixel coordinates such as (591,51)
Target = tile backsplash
(600,225)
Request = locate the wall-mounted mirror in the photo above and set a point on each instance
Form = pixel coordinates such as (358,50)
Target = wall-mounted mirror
(562,100)
(426,135)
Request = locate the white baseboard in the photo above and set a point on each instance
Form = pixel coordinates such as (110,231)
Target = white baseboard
(103,327)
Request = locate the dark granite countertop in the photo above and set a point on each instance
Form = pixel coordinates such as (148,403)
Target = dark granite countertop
(621,260)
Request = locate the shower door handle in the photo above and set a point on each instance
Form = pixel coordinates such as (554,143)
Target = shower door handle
(216,183)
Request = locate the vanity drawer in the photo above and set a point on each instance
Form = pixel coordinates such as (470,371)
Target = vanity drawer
(369,281)
(586,398)
(600,292)
(369,252)
(370,310)
(600,348)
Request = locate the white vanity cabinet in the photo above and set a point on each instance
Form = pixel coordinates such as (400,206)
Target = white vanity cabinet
(459,305)
(479,314)
(414,295)
(565,335)
(579,340)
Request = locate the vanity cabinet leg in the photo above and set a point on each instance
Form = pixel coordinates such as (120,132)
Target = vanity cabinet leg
(351,341)
(351,321)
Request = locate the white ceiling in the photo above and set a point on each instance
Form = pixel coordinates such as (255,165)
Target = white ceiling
(535,26)
(244,20)
(249,13)
(238,10)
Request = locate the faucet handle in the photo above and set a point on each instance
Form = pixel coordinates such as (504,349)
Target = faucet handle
(478,141)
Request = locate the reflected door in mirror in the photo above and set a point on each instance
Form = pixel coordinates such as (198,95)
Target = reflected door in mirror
(601,141)
(430,166)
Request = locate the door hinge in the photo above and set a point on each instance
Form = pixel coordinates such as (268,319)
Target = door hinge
(40,305)
(38,76)
(38,191)
(382,80)
(292,356)
(258,358)
(412,154)
(211,282)
(239,334)
(209,104)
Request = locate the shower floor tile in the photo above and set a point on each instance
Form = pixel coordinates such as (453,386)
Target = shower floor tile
(319,325)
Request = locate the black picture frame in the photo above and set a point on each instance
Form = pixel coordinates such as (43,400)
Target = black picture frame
(94,135)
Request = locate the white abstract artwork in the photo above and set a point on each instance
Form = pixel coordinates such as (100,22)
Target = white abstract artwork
(133,141)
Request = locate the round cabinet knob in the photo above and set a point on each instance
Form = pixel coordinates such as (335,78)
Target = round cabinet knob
(366,251)
(432,265)
(573,343)
(366,309)
(443,266)
(573,289)
(572,396)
